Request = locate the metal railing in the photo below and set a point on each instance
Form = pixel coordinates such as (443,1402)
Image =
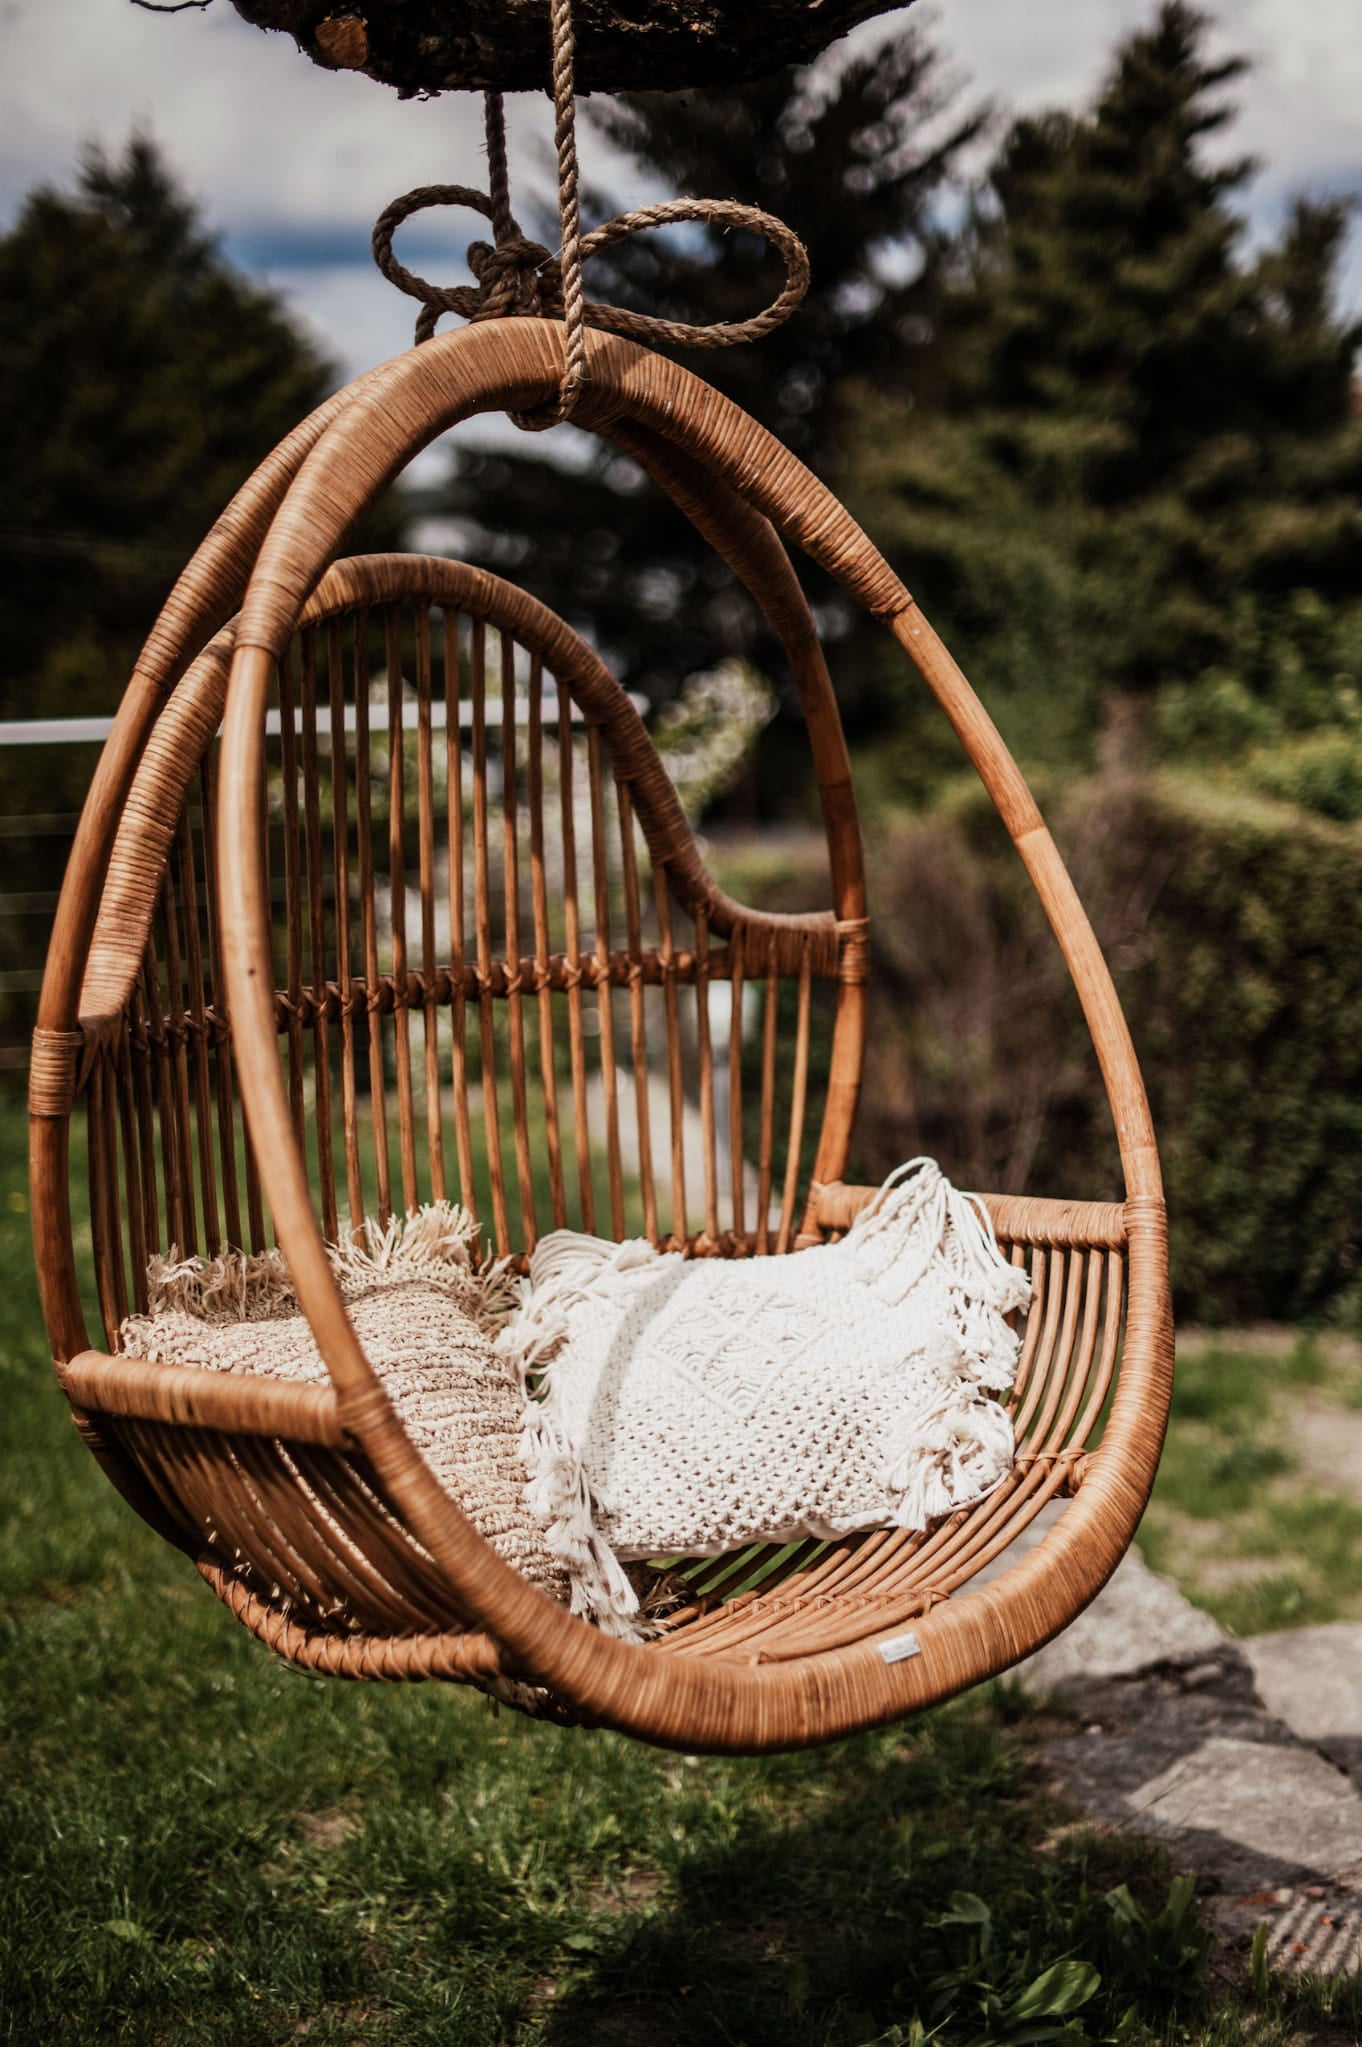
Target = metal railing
(26,914)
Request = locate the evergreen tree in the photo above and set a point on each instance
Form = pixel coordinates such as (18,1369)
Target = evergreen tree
(1142,431)
(841,157)
(145,379)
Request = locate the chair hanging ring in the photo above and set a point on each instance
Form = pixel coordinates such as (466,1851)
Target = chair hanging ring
(519,277)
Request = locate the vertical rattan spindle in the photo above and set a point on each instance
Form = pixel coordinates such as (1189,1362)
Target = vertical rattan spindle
(638,1032)
(196,1024)
(458,951)
(482,913)
(293,904)
(397,899)
(572,920)
(770,1022)
(430,1001)
(605,994)
(706,1052)
(340,867)
(799,1097)
(515,1019)
(316,935)
(539,892)
(676,1092)
(364,849)
(222,1054)
(176,1072)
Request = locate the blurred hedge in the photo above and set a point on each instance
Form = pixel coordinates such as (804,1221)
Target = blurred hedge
(1232,924)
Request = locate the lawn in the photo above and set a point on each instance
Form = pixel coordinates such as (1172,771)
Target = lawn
(199,1845)
(1258,1506)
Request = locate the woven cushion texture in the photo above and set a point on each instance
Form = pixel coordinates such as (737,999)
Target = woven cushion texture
(422,1313)
(695,1406)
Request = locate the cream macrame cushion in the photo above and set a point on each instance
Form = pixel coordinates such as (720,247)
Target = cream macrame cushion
(425,1318)
(685,1407)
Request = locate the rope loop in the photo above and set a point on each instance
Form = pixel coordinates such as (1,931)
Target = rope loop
(726,213)
(513,276)
(521,277)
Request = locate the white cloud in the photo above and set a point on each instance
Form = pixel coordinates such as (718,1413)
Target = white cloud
(278,151)
(275,149)
(259,132)
(1300,103)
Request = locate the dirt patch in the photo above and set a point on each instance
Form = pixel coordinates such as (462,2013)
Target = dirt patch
(1326,1439)
(633,1890)
(1271,1339)
(324,1830)
(1228,1574)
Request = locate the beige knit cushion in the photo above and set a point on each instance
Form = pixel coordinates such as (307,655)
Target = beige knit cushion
(425,1318)
(689,1407)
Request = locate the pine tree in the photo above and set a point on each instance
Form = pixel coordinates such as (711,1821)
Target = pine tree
(845,162)
(144,380)
(1145,430)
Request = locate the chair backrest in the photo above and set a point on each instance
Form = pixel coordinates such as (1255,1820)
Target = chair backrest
(504,974)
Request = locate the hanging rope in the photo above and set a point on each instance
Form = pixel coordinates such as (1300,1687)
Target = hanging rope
(518,277)
(569,206)
(498,170)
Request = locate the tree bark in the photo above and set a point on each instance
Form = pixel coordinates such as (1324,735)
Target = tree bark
(1124,739)
(430,46)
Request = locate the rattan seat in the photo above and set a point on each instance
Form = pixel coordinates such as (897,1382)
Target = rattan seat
(301,974)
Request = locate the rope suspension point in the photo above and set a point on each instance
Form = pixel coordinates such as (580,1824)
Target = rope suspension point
(569,207)
(498,170)
(519,277)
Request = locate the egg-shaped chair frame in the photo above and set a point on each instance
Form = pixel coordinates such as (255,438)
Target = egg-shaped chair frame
(819,1648)
(724,1702)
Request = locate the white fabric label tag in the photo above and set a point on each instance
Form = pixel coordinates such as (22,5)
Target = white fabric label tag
(900,1649)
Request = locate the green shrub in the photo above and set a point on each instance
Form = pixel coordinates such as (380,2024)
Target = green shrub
(1322,772)
(1231,924)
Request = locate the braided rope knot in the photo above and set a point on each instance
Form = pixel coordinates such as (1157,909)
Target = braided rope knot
(503,271)
(517,277)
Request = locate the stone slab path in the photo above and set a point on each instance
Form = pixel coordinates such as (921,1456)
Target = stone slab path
(1311,1678)
(1244,1758)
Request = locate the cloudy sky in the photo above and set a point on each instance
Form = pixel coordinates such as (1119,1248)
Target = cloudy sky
(292,164)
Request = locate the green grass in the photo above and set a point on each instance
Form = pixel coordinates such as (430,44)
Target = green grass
(198,1845)
(1238,1515)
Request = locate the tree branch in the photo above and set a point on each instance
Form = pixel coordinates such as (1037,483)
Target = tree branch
(427,46)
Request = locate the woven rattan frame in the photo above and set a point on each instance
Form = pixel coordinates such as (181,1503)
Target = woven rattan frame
(798,1660)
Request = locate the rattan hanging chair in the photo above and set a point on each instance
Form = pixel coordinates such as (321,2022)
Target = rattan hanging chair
(233,936)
